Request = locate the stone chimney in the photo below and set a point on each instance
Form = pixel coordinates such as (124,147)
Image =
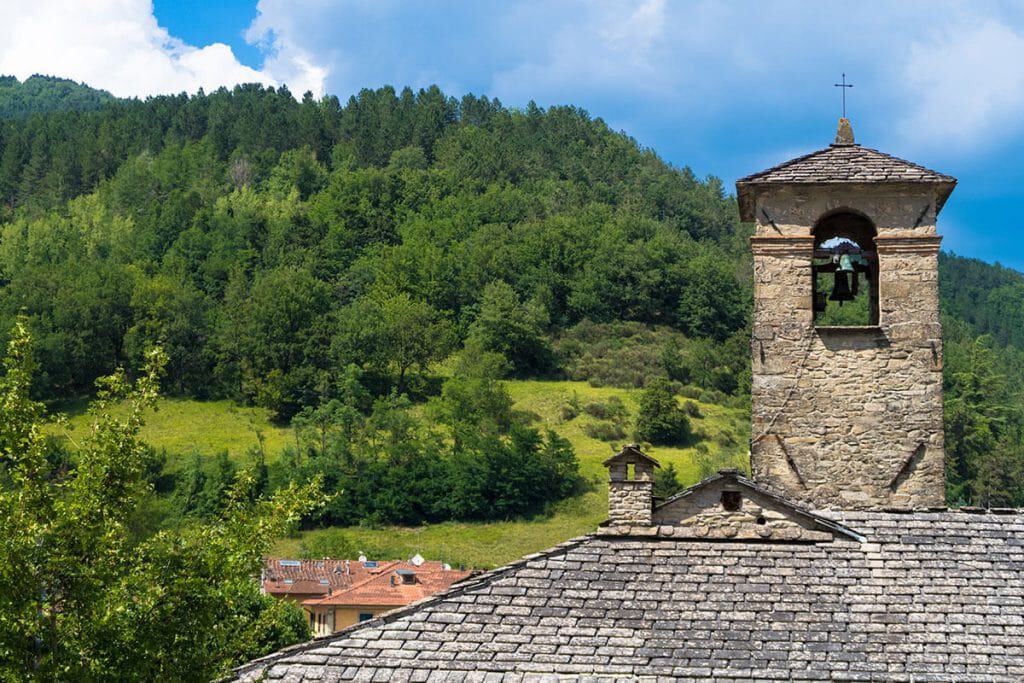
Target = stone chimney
(630,486)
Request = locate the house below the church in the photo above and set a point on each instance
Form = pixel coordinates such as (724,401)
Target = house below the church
(836,560)
(338,593)
(395,585)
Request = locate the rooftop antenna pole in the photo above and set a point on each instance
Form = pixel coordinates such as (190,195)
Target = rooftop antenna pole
(844,85)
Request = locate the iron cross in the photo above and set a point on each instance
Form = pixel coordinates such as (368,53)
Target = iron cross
(844,85)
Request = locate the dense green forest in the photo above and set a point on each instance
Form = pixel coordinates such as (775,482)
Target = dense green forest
(38,94)
(369,270)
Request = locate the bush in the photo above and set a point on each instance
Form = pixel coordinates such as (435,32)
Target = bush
(690,391)
(613,409)
(571,408)
(618,354)
(605,431)
(660,420)
(713,396)
(706,464)
(692,409)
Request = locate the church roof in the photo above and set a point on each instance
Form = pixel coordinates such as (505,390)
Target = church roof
(841,163)
(926,596)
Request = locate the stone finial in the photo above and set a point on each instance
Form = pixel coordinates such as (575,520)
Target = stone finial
(630,493)
(844,133)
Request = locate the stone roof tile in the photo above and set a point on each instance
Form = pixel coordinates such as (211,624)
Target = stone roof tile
(935,596)
(841,163)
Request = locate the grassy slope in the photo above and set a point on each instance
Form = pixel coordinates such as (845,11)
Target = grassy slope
(181,426)
(495,543)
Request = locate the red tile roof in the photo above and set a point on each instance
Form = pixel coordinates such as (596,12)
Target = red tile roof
(314,577)
(387,589)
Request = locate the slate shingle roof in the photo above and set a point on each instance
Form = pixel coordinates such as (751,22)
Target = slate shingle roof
(842,163)
(928,596)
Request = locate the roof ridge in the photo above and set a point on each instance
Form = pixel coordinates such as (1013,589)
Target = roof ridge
(395,614)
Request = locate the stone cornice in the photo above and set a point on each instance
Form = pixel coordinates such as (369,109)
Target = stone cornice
(908,244)
(781,245)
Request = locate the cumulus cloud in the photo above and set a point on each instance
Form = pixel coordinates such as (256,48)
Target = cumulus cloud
(116,45)
(275,33)
(927,72)
(967,85)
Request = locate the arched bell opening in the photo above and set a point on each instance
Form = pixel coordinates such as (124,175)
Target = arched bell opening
(845,271)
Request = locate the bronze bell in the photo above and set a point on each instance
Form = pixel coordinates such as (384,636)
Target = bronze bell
(841,288)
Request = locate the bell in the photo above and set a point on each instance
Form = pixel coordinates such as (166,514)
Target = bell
(846,263)
(841,288)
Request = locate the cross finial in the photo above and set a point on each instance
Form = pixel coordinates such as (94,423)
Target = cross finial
(844,85)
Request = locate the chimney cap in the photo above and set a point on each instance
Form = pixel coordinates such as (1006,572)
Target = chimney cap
(631,453)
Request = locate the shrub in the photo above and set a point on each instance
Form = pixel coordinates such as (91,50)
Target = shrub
(692,409)
(661,420)
(525,417)
(690,391)
(613,409)
(618,354)
(706,464)
(571,408)
(605,431)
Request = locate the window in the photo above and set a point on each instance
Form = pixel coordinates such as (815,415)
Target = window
(845,271)
(731,501)
(365,616)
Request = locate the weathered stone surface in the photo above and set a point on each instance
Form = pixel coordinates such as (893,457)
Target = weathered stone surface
(701,512)
(929,596)
(848,417)
(630,488)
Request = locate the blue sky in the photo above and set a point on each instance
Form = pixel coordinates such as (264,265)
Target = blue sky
(726,88)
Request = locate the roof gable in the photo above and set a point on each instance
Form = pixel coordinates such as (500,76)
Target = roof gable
(729,506)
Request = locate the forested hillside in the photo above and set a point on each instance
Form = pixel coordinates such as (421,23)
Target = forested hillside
(331,263)
(41,94)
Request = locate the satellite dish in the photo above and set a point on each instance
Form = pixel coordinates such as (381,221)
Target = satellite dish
(417,560)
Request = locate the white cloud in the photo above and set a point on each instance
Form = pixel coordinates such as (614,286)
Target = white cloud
(116,45)
(929,74)
(274,32)
(967,85)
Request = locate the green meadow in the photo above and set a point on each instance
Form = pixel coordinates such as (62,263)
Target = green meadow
(182,426)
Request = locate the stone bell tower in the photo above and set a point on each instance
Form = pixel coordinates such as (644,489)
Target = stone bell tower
(847,414)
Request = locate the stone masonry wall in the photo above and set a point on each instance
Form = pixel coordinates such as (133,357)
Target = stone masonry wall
(848,417)
(702,515)
(630,502)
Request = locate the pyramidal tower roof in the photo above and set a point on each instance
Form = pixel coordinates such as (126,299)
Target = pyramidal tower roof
(844,161)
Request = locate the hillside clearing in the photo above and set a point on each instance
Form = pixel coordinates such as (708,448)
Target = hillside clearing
(182,426)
